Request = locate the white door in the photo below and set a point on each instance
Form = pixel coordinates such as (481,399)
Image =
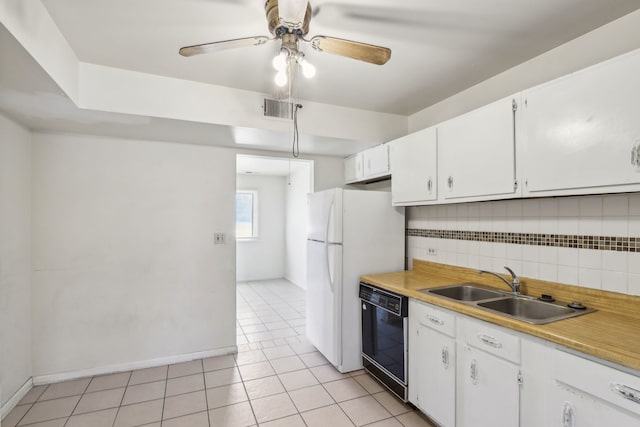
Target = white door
(414,168)
(437,377)
(353,168)
(582,131)
(476,153)
(489,392)
(376,161)
(324,286)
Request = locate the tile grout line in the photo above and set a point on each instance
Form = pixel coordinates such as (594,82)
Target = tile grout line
(78,402)
(253,412)
(122,399)
(206,397)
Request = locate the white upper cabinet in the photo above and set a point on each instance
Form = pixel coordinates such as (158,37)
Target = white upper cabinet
(414,168)
(476,153)
(367,166)
(353,168)
(376,161)
(581,133)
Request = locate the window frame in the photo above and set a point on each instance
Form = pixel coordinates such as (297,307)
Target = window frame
(255,217)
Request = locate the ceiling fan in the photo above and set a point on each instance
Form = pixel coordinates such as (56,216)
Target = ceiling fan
(288,21)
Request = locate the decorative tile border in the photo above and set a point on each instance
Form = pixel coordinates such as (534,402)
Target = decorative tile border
(602,243)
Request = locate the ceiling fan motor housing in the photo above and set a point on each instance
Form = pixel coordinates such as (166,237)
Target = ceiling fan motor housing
(277,28)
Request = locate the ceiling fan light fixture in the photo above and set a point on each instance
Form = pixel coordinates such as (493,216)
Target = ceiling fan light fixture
(281,78)
(308,69)
(280,60)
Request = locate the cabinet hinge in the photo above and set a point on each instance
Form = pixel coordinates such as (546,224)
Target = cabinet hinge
(514,105)
(520,378)
(515,184)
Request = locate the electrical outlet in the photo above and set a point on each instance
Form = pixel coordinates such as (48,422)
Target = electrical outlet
(432,251)
(219,238)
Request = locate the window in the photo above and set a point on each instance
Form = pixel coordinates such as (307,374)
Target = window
(246,214)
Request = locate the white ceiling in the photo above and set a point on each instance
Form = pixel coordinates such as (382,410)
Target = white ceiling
(32,98)
(439,47)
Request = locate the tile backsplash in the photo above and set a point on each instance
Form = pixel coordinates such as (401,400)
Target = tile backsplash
(590,241)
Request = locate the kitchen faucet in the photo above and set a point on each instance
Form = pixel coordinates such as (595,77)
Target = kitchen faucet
(515,282)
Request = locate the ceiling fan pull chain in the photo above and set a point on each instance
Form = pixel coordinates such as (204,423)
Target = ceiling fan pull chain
(296,137)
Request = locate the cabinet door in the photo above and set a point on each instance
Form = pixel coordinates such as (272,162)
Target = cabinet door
(581,132)
(489,392)
(353,168)
(414,168)
(376,161)
(573,408)
(476,153)
(437,377)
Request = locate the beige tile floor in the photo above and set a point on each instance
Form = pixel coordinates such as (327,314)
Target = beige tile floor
(276,379)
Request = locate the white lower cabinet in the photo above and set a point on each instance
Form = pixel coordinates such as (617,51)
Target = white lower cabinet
(489,393)
(465,372)
(437,373)
(589,394)
(488,372)
(432,362)
(575,408)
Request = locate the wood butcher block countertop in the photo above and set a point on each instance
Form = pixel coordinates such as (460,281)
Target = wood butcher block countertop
(612,333)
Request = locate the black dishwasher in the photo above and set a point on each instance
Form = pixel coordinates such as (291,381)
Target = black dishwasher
(384,337)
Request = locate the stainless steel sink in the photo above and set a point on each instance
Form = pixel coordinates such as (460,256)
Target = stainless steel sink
(464,292)
(520,307)
(531,310)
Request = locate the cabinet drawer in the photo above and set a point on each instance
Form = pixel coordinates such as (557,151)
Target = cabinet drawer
(611,385)
(491,339)
(440,320)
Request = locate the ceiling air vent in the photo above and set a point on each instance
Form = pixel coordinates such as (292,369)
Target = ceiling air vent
(278,109)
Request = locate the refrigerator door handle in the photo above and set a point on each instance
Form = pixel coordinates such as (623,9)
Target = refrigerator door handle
(326,244)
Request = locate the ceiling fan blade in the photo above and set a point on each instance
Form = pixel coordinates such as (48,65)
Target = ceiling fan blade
(222,45)
(361,51)
(292,12)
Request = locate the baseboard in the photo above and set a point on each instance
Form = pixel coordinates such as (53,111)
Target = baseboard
(123,367)
(16,398)
(295,283)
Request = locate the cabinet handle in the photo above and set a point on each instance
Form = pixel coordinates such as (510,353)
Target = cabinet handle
(435,320)
(626,392)
(445,357)
(429,185)
(450,182)
(490,341)
(474,372)
(568,417)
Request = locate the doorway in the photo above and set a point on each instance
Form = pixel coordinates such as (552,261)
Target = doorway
(271,218)
(271,250)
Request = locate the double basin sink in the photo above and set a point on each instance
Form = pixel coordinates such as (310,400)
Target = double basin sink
(520,307)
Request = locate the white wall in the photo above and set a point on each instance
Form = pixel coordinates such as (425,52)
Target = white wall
(263,258)
(608,41)
(298,186)
(15,257)
(125,266)
(607,215)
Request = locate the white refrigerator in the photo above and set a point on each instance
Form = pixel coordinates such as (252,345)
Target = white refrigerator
(350,233)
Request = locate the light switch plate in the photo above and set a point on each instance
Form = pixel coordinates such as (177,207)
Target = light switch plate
(219,238)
